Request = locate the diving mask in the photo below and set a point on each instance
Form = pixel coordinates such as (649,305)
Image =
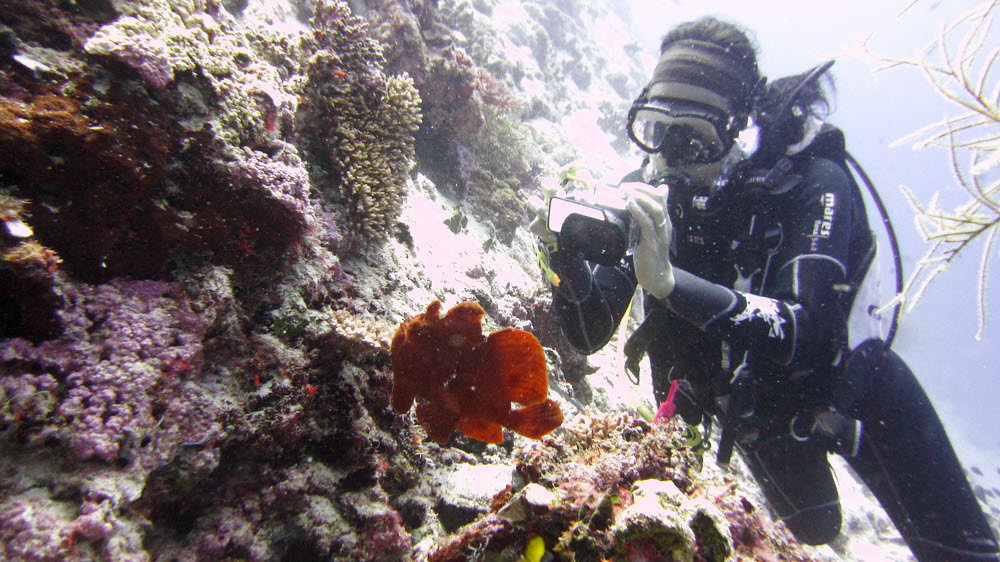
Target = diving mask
(682,132)
(705,179)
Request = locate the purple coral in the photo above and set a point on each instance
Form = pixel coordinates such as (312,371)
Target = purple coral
(155,67)
(125,343)
(386,534)
(94,522)
(283,176)
(33,531)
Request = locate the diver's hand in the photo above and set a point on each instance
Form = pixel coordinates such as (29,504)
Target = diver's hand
(539,225)
(648,206)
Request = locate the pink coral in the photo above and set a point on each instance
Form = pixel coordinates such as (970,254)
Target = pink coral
(155,68)
(94,522)
(33,531)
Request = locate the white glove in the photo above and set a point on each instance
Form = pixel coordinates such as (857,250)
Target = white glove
(648,206)
(539,225)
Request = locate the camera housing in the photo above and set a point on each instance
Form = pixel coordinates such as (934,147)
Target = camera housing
(597,232)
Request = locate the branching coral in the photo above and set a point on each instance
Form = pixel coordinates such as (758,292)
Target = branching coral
(359,123)
(959,64)
(375,154)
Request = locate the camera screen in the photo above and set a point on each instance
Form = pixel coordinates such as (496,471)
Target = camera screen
(560,209)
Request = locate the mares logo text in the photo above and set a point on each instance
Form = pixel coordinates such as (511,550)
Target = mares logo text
(822,227)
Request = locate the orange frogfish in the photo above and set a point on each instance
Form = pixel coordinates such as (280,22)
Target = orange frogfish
(467,381)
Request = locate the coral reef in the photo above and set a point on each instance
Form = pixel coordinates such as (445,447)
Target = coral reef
(112,383)
(116,387)
(189,438)
(116,186)
(135,413)
(243,67)
(611,486)
(472,142)
(62,139)
(358,337)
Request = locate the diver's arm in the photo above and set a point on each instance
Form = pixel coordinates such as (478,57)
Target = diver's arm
(752,322)
(799,317)
(590,302)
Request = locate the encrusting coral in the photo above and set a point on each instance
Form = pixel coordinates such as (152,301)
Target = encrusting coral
(244,66)
(358,337)
(116,185)
(114,392)
(150,407)
(96,387)
(468,381)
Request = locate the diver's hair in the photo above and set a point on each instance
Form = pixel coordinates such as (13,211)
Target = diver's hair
(726,35)
(812,101)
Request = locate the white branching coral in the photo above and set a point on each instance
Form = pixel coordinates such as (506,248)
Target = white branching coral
(960,64)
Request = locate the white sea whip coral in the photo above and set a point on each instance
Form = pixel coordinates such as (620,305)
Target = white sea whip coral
(960,65)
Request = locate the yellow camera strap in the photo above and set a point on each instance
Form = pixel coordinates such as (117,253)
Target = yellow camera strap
(542,252)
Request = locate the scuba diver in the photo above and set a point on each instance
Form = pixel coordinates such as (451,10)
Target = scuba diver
(756,258)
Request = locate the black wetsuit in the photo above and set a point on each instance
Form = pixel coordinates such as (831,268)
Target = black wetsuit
(792,256)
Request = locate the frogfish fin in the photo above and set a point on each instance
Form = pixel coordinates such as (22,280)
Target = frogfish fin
(437,421)
(520,365)
(480,429)
(536,420)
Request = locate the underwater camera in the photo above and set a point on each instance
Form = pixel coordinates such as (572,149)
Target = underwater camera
(597,230)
